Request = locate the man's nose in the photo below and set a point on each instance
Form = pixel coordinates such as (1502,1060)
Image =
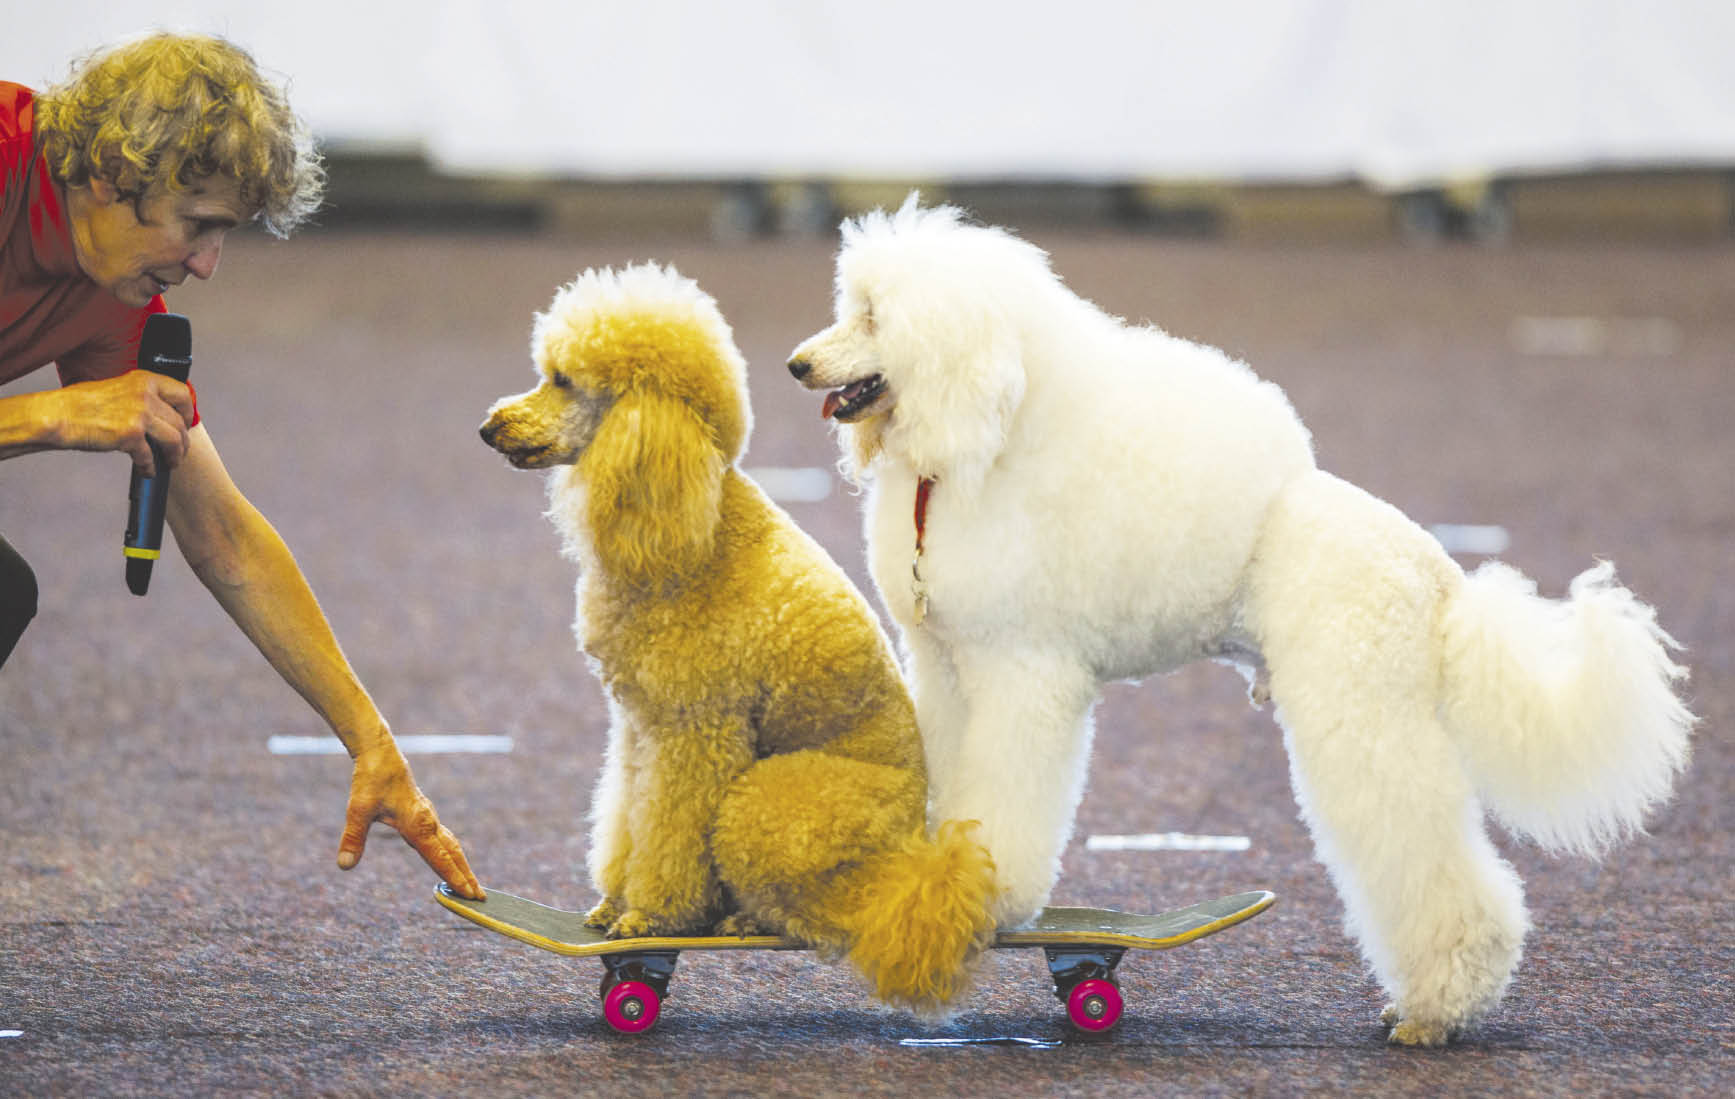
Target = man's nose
(203,262)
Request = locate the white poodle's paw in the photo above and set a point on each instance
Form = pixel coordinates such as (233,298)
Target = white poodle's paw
(1389,1015)
(1414,1032)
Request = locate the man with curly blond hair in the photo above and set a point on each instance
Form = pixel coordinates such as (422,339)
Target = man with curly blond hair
(114,186)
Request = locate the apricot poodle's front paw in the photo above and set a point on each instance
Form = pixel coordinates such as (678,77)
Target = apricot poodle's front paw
(636,923)
(604,914)
(741,925)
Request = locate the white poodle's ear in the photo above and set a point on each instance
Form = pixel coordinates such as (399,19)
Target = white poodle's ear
(951,421)
(653,481)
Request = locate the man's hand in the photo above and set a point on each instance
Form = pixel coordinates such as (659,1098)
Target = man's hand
(382,789)
(125,413)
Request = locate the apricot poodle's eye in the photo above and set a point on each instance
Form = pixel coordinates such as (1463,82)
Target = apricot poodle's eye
(560,381)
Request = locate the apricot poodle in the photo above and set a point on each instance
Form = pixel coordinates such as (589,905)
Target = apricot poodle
(764,770)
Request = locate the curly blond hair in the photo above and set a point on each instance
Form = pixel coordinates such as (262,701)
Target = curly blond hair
(168,110)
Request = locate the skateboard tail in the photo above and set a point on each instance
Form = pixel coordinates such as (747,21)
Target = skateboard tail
(924,915)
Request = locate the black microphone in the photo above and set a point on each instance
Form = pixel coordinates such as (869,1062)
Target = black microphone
(165,348)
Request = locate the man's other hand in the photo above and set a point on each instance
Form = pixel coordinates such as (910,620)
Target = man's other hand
(126,413)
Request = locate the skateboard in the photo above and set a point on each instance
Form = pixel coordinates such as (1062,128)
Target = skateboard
(1083,947)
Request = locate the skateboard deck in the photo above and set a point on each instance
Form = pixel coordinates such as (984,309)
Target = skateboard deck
(1083,947)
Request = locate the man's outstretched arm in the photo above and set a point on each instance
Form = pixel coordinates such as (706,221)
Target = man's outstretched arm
(238,555)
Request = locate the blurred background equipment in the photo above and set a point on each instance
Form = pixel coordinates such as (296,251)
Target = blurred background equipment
(1321,118)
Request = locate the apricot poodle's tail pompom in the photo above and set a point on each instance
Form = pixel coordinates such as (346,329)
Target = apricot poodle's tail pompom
(926,917)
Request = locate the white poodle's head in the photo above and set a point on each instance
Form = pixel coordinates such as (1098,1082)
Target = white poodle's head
(924,360)
(642,402)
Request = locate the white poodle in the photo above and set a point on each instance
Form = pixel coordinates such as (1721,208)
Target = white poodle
(1057,499)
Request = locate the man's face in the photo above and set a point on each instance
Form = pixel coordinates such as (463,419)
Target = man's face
(136,249)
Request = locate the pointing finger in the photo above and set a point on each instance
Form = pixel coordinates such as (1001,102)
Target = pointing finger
(443,853)
(349,848)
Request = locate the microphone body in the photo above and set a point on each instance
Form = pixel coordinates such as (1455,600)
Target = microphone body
(166,347)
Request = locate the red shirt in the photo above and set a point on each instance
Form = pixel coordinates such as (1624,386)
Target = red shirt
(49,311)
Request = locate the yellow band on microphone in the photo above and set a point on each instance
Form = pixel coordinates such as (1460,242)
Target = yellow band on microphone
(142,553)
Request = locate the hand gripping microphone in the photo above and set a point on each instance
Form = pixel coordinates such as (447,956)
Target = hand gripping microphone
(165,348)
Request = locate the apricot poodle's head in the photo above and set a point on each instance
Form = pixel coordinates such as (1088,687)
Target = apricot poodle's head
(643,395)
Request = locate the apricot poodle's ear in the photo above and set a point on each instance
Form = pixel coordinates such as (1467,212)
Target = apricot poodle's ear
(654,487)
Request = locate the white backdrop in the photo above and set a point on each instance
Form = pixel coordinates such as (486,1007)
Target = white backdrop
(1393,92)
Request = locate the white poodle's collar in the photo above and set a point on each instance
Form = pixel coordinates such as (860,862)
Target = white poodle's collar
(918,586)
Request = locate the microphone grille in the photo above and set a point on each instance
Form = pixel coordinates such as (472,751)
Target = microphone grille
(166,345)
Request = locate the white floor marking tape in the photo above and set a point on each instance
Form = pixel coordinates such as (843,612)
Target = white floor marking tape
(1472,538)
(956,1043)
(793,484)
(425,744)
(1592,337)
(1167,841)
(11,1034)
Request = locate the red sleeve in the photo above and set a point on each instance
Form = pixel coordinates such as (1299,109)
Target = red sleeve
(113,354)
(112,347)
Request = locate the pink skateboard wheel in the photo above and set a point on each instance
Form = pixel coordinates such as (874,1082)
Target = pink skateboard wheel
(633,1006)
(1094,1006)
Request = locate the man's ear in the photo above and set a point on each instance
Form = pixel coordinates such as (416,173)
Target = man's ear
(103,192)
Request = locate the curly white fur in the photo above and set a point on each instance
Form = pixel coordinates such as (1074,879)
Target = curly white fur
(1112,501)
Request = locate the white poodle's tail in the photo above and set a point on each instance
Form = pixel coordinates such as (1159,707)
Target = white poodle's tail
(1565,710)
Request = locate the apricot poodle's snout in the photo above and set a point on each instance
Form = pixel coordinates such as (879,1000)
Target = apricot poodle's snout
(492,430)
(506,434)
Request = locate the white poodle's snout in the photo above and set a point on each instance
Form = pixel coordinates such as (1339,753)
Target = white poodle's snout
(840,359)
(811,363)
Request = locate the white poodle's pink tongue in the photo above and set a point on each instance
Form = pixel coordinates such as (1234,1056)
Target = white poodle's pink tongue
(837,398)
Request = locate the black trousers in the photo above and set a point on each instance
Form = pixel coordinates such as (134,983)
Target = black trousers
(17,597)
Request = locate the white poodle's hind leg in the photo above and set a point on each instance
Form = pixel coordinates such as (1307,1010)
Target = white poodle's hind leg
(1467,940)
(1439,915)
(1345,600)
(1018,767)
